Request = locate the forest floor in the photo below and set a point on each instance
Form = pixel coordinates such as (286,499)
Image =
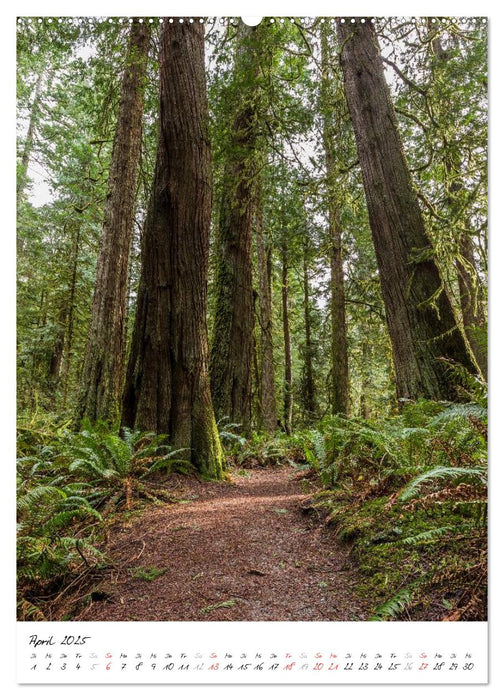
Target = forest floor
(243,549)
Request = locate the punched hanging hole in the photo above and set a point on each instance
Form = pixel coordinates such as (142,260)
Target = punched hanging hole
(251,21)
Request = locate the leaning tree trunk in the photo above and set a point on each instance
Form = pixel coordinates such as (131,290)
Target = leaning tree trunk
(102,376)
(167,386)
(420,318)
(232,342)
(268,403)
(339,345)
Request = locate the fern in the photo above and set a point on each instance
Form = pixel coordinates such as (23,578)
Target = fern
(170,460)
(34,497)
(393,607)
(458,410)
(227,432)
(440,472)
(430,535)
(472,386)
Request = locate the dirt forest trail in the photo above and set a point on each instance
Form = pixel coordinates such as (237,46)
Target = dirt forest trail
(240,550)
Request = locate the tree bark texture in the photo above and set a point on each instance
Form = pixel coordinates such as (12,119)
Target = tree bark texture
(167,386)
(232,342)
(420,318)
(268,402)
(103,371)
(339,398)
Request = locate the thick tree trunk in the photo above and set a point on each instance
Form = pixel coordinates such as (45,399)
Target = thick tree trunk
(268,402)
(167,386)
(420,318)
(287,393)
(232,342)
(102,376)
(339,348)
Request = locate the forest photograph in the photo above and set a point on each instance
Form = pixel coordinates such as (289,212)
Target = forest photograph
(252,319)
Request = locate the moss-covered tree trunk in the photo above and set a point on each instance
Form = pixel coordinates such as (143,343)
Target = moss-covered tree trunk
(232,341)
(469,286)
(471,303)
(268,401)
(167,386)
(420,318)
(103,371)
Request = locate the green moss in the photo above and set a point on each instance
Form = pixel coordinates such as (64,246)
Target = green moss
(206,448)
(385,563)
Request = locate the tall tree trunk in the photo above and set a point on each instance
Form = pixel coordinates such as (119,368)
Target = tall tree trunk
(232,342)
(22,177)
(287,393)
(420,318)
(102,376)
(30,135)
(167,386)
(309,382)
(57,352)
(364,410)
(268,402)
(67,351)
(339,348)
(473,313)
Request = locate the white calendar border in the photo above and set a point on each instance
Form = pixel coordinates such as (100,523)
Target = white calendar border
(7,412)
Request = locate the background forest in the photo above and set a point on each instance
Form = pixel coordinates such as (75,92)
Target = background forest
(244,248)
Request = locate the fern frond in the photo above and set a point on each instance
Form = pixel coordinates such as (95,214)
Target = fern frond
(430,535)
(393,607)
(440,472)
(120,452)
(43,492)
(459,410)
(170,461)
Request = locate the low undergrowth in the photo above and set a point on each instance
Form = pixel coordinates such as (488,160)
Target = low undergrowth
(70,488)
(409,494)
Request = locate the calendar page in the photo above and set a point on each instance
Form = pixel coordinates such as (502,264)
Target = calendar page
(252,376)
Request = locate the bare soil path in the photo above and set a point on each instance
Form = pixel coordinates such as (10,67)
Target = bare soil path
(228,551)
